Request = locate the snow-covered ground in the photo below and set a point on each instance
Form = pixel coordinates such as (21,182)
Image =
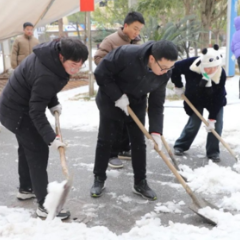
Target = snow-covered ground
(213,179)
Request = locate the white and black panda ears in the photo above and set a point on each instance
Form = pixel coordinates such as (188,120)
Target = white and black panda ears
(216,47)
(205,50)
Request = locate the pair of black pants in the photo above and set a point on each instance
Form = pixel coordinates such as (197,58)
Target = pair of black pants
(109,130)
(123,144)
(33,155)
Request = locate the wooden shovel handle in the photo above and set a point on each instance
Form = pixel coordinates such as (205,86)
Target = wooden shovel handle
(170,153)
(162,155)
(61,149)
(212,130)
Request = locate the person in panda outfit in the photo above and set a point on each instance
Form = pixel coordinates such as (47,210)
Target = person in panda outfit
(205,88)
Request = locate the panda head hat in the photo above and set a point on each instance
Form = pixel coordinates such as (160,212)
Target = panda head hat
(211,57)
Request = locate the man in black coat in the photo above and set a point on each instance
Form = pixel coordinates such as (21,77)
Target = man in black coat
(30,90)
(125,77)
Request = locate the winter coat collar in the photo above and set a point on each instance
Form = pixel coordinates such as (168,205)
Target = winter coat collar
(126,38)
(123,35)
(195,67)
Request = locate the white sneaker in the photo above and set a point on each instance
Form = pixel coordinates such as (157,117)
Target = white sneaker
(42,212)
(25,194)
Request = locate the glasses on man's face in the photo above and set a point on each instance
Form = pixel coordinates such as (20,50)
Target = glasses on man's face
(164,69)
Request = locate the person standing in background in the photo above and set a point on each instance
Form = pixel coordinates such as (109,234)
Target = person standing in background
(23,45)
(128,34)
(235,45)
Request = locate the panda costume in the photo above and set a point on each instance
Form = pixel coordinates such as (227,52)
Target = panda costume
(204,92)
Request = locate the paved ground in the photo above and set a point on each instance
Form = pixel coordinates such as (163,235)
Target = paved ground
(118,208)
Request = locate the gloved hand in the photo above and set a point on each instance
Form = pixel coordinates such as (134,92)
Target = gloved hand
(179,91)
(57,143)
(157,139)
(211,125)
(57,108)
(122,103)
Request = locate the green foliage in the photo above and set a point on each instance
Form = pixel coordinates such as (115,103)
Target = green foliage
(78,17)
(183,33)
(113,13)
(101,34)
(164,10)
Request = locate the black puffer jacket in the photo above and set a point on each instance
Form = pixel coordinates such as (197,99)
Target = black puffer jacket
(33,87)
(125,70)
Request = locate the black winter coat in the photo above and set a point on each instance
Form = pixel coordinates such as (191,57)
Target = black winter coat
(33,87)
(197,95)
(125,70)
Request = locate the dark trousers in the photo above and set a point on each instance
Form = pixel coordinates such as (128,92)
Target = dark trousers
(191,129)
(123,144)
(33,155)
(109,130)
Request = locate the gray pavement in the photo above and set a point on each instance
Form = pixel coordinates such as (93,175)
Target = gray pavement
(118,209)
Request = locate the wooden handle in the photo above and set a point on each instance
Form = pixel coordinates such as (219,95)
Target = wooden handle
(162,155)
(170,153)
(61,149)
(212,130)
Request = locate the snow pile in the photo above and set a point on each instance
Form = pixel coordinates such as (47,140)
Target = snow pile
(55,191)
(22,226)
(169,207)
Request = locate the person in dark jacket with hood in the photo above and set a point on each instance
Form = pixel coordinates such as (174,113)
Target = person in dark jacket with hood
(235,44)
(125,76)
(31,89)
(205,88)
(128,34)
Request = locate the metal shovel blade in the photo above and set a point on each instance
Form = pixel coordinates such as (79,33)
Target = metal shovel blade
(198,202)
(195,209)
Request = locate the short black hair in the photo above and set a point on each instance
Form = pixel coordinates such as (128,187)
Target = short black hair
(134,17)
(73,49)
(164,49)
(27,24)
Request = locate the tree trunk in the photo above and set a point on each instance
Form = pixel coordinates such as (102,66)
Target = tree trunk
(207,7)
(78,33)
(60,28)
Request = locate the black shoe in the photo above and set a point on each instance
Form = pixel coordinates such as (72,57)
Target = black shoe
(214,158)
(178,152)
(97,188)
(25,194)
(144,190)
(125,155)
(115,163)
(42,212)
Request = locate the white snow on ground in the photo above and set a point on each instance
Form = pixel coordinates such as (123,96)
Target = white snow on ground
(83,115)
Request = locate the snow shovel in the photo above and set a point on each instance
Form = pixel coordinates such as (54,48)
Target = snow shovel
(170,153)
(174,161)
(198,202)
(212,130)
(67,186)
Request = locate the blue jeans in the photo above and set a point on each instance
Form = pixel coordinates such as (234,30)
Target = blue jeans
(191,129)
